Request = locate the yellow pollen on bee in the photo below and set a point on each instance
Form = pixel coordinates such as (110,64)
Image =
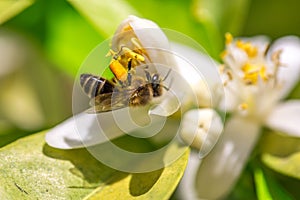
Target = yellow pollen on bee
(118,70)
(253,72)
(247,47)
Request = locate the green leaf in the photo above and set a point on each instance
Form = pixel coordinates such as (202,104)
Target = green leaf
(268,186)
(30,169)
(261,185)
(271,140)
(10,8)
(105,15)
(244,188)
(288,166)
(158,184)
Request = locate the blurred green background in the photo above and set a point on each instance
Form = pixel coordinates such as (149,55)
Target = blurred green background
(43,43)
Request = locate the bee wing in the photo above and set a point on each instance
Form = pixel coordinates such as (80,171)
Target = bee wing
(110,101)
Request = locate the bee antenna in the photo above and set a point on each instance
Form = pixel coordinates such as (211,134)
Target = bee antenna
(168,88)
(167,75)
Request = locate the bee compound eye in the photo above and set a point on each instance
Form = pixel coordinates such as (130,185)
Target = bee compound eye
(155,77)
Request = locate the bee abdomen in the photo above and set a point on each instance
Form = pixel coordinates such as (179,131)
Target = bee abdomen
(94,85)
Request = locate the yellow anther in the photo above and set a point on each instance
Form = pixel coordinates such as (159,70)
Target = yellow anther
(230,76)
(221,69)
(126,28)
(228,38)
(243,106)
(132,55)
(110,53)
(136,56)
(247,47)
(253,72)
(223,54)
(250,73)
(263,74)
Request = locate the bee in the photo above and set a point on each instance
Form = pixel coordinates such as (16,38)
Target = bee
(94,85)
(109,95)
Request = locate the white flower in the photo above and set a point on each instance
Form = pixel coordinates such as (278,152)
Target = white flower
(89,129)
(85,129)
(256,79)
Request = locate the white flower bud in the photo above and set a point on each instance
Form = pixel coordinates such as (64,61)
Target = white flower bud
(201,128)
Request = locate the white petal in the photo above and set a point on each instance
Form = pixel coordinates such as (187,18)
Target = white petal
(289,73)
(220,170)
(261,42)
(151,37)
(87,129)
(200,72)
(237,57)
(79,131)
(169,105)
(286,118)
(186,188)
(149,33)
(201,129)
(231,98)
(194,64)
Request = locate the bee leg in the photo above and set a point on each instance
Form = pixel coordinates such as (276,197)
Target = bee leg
(129,65)
(121,83)
(129,78)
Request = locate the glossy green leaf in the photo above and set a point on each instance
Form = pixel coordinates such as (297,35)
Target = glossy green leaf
(289,166)
(105,15)
(30,169)
(10,8)
(158,184)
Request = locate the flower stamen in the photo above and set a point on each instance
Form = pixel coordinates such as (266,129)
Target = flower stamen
(228,38)
(247,47)
(243,108)
(229,76)
(253,72)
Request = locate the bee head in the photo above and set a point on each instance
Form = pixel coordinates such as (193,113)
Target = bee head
(156,85)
